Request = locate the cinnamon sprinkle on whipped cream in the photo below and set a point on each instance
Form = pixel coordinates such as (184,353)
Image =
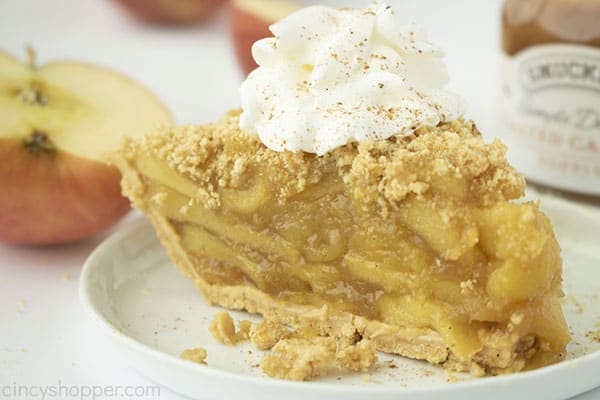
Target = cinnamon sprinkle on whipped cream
(329,77)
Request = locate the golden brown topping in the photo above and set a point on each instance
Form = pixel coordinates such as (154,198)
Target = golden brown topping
(359,357)
(379,174)
(223,329)
(197,355)
(244,328)
(300,359)
(266,334)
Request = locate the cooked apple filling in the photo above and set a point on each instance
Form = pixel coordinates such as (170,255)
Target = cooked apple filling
(410,242)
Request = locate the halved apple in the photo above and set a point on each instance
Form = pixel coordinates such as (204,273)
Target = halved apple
(250,20)
(57,124)
(171,12)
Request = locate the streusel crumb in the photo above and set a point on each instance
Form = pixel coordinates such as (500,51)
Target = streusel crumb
(197,355)
(305,358)
(223,329)
(244,328)
(378,174)
(266,334)
(359,357)
(300,359)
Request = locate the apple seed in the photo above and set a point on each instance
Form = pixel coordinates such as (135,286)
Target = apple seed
(39,142)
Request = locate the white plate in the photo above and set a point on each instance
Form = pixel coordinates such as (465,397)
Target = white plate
(152,313)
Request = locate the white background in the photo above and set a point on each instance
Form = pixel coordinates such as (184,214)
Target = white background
(44,335)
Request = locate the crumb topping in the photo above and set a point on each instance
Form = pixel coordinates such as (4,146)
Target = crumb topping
(223,329)
(377,174)
(295,354)
(300,359)
(305,358)
(197,355)
(266,334)
(359,357)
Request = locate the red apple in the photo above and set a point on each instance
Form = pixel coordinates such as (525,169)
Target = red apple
(171,12)
(250,20)
(57,124)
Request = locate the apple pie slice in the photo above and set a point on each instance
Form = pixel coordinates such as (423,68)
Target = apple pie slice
(411,242)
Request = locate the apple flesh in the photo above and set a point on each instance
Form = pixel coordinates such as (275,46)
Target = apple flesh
(171,12)
(250,20)
(57,125)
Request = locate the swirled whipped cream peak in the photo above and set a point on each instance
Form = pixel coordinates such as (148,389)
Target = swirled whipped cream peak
(329,77)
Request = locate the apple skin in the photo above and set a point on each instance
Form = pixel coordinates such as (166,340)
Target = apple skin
(58,129)
(171,12)
(246,29)
(55,197)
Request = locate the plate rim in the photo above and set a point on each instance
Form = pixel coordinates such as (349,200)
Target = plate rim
(106,326)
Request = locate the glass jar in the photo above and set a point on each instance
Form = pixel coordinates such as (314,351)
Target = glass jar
(550,97)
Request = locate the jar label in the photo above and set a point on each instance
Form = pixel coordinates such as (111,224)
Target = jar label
(551,115)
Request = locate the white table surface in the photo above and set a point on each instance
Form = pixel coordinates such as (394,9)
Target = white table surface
(45,339)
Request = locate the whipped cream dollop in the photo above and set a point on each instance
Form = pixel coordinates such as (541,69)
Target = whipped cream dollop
(329,77)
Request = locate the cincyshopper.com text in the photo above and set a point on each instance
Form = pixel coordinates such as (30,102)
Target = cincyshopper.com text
(80,392)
